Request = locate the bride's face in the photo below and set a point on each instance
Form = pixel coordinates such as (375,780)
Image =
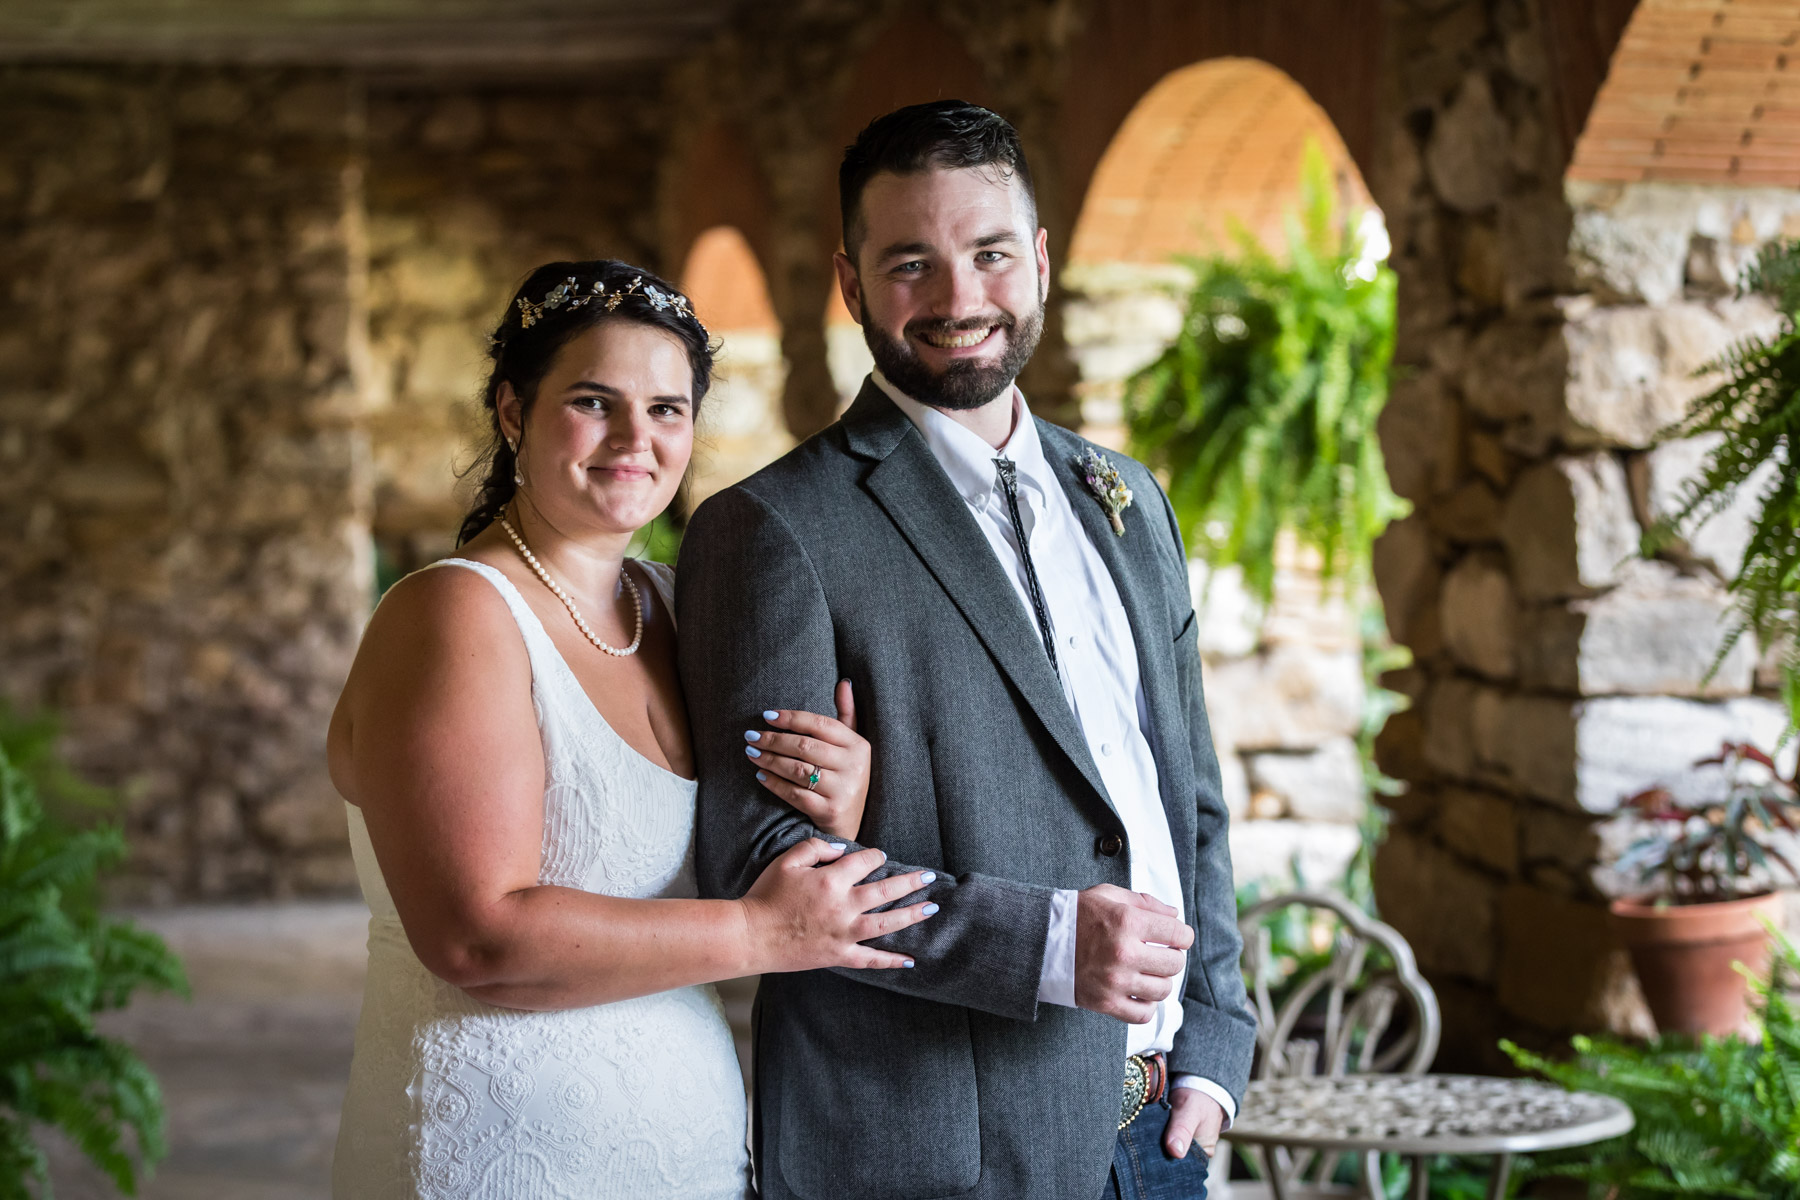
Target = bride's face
(609,435)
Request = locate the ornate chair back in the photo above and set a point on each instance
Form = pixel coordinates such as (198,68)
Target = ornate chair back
(1360,1017)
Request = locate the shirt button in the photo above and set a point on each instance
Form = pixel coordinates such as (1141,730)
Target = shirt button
(1106,749)
(1074,640)
(1110,845)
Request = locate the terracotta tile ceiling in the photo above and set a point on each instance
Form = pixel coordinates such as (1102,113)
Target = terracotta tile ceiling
(1214,142)
(1700,91)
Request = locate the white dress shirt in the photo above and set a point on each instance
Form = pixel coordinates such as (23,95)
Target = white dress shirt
(1098,663)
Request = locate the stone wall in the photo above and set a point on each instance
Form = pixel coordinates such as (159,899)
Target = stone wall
(1546,335)
(185,482)
(468,191)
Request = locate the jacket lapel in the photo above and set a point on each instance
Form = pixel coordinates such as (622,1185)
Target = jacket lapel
(1141,592)
(917,496)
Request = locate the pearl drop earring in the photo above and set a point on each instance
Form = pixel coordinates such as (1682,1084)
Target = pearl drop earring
(518,479)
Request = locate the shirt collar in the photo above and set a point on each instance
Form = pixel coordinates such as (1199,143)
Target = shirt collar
(965,457)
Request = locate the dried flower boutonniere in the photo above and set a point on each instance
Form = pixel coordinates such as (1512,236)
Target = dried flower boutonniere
(1110,490)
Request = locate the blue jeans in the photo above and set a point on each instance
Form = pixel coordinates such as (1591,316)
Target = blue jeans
(1142,1171)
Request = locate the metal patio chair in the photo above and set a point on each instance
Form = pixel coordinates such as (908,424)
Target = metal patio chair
(1342,1019)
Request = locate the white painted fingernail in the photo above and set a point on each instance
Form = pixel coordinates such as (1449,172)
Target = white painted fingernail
(907,963)
(928,876)
(761,776)
(771,715)
(839,846)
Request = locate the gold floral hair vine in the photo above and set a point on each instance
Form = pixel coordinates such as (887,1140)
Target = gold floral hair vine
(570,295)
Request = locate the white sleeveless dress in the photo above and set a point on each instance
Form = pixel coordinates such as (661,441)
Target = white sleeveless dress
(454,1099)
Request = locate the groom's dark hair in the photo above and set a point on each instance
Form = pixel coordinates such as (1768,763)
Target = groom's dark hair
(941,134)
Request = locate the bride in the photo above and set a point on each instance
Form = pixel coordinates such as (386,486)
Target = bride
(537,1020)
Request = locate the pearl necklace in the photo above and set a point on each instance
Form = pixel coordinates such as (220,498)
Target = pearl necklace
(537,568)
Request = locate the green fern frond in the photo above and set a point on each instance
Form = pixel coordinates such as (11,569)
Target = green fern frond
(1261,414)
(60,962)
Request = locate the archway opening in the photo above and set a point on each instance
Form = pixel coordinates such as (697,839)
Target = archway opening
(741,428)
(1215,152)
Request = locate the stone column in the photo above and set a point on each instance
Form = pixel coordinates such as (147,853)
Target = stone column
(184,472)
(1556,672)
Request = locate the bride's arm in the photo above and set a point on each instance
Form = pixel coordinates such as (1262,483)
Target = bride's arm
(447,766)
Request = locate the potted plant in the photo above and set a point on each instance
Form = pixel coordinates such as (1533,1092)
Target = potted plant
(1711,849)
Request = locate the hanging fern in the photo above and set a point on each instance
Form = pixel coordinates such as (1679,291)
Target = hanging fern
(1757,410)
(60,963)
(1720,1118)
(1261,414)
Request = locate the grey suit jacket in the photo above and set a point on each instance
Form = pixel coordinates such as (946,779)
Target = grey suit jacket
(854,557)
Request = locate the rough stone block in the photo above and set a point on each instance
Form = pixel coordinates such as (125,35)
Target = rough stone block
(1481,826)
(1418,427)
(1323,785)
(1659,633)
(1400,747)
(1289,698)
(1273,852)
(1448,716)
(1568,527)
(1466,158)
(1562,969)
(1441,905)
(1626,744)
(1516,372)
(1406,574)
(1524,744)
(1470,514)
(1479,617)
(1659,478)
(1632,369)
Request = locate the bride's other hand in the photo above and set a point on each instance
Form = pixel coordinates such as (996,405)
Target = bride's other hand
(802,743)
(807,910)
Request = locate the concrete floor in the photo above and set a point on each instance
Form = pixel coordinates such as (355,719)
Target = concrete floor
(253,1070)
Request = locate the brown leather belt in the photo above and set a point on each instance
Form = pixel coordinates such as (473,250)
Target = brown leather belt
(1146,1082)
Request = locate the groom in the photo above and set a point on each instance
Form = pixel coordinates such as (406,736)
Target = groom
(1023,649)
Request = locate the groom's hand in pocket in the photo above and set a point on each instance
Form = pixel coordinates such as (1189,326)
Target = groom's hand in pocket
(1128,949)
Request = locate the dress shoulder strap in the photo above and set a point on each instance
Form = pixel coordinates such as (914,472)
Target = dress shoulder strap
(529,626)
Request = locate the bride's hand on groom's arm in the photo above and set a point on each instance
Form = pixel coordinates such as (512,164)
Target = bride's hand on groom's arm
(809,909)
(801,744)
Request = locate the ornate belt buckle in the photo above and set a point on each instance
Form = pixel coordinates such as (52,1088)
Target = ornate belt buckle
(1137,1089)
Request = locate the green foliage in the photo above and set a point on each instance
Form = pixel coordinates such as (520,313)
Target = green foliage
(1757,410)
(1261,414)
(659,541)
(1719,1118)
(60,963)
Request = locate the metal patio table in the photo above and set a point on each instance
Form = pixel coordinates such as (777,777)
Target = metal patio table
(1419,1116)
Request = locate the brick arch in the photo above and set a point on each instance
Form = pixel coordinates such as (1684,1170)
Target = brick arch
(1210,145)
(712,180)
(1698,91)
(1126,47)
(723,278)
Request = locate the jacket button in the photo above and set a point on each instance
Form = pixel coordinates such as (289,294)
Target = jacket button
(1111,844)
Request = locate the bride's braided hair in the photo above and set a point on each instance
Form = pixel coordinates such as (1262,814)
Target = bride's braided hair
(556,302)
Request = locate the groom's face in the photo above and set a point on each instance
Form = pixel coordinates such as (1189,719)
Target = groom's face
(948,282)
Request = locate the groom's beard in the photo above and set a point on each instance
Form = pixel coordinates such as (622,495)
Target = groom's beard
(964,384)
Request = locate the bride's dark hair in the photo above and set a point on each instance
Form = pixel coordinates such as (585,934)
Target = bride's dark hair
(556,302)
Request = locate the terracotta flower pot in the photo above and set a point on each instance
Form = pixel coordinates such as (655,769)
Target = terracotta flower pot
(1683,955)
